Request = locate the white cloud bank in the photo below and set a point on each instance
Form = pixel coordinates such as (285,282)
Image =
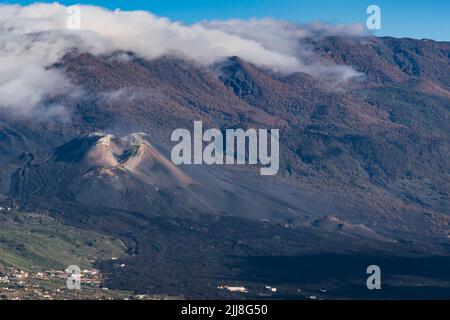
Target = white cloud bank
(34,37)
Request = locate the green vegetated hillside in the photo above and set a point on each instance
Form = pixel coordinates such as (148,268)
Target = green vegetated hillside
(30,241)
(35,250)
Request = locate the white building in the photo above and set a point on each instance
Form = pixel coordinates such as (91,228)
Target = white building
(237,289)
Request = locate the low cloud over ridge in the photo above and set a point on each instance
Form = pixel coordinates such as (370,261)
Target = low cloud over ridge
(34,37)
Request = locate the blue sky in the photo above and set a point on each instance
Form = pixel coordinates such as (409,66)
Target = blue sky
(400,18)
